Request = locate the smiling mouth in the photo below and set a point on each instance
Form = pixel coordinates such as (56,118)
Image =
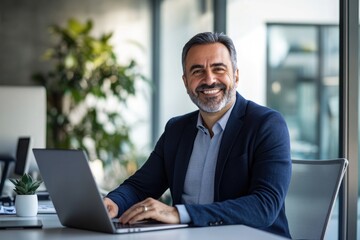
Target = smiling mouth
(210,91)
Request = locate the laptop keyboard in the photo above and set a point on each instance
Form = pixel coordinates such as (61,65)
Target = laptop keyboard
(146,223)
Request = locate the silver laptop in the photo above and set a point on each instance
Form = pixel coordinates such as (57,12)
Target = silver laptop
(76,197)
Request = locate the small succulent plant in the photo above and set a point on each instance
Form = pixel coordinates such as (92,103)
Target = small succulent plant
(25,185)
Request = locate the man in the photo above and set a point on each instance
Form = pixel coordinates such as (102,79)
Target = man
(228,163)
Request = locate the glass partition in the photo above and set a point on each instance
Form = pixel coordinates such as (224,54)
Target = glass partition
(180,20)
(303,84)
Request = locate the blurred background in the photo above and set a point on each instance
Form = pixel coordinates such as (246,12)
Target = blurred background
(112,69)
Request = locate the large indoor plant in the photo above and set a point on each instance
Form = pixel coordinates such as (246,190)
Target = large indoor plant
(87,91)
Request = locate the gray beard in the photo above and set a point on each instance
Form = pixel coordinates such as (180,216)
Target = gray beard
(213,105)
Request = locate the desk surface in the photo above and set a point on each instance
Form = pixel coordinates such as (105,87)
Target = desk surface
(52,229)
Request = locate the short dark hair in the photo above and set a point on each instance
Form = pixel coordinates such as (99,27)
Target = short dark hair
(207,38)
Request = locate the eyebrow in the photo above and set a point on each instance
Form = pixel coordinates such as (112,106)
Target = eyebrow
(218,65)
(195,66)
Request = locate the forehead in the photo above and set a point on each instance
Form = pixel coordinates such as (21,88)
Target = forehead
(207,53)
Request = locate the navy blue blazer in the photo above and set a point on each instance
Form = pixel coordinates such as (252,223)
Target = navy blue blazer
(252,175)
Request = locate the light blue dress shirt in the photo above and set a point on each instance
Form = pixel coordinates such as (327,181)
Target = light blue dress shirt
(200,175)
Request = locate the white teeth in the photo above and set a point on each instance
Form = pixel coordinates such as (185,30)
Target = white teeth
(213,91)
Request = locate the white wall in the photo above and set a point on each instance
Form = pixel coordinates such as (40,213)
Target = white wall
(23,114)
(181,20)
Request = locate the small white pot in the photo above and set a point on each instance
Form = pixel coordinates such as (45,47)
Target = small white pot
(26,205)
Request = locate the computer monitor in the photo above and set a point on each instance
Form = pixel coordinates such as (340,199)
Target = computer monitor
(23,152)
(15,165)
(23,114)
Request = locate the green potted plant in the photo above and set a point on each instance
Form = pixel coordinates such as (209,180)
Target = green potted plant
(87,93)
(26,201)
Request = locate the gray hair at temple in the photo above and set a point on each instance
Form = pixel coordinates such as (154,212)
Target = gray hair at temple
(207,38)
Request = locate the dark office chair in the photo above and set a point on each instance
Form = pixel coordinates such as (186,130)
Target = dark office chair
(313,190)
(20,161)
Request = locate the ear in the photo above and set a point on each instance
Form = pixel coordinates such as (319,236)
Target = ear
(184,81)
(236,76)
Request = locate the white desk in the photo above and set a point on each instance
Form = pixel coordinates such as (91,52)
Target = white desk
(52,229)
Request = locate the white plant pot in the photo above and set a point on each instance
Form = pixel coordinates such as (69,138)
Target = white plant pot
(26,205)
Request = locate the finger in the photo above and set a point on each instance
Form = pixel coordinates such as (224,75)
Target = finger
(154,210)
(135,213)
(111,211)
(143,215)
(138,211)
(111,207)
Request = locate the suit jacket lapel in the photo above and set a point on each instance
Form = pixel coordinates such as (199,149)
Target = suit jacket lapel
(230,134)
(183,157)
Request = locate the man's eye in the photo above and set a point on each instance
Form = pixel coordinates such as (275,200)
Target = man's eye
(197,72)
(219,70)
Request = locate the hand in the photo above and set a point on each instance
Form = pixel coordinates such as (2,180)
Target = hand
(111,207)
(150,209)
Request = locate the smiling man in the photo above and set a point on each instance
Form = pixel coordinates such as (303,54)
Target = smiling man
(227,163)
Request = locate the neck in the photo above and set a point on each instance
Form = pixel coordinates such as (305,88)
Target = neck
(209,119)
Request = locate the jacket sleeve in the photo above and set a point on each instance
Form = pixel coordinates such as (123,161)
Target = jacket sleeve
(157,173)
(149,181)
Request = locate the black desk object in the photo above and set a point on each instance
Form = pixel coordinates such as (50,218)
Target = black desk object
(7,160)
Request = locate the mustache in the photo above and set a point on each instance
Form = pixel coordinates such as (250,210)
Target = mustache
(212,86)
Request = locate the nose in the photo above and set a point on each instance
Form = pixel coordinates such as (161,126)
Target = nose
(209,77)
